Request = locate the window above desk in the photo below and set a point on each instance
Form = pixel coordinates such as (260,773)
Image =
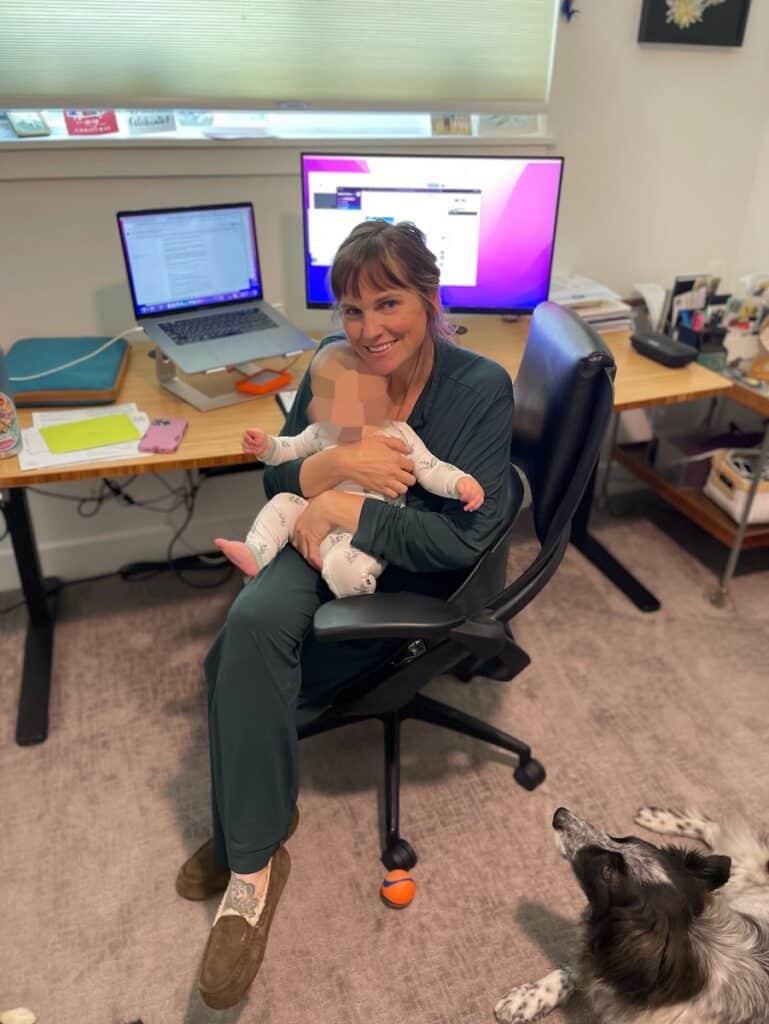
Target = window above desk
(278,54)
(173,127)
(99,71)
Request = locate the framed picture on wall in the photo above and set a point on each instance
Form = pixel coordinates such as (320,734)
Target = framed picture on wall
(697,22)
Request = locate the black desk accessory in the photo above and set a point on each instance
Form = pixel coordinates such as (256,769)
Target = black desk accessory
(663,349)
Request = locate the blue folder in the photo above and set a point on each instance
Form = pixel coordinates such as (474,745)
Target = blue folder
(93,382)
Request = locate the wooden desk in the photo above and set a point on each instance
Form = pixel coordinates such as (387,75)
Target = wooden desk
(639,381)
(213,439)
(696,506)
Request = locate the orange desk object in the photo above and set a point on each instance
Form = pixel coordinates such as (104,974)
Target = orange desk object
(264,382)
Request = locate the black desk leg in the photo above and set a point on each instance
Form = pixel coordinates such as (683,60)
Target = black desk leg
(40,594)
(596,553)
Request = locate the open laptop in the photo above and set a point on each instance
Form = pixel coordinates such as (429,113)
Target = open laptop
(196,286)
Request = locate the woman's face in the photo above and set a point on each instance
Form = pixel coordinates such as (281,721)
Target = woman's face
(386,328)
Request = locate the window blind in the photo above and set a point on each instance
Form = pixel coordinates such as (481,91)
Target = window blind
(326,54)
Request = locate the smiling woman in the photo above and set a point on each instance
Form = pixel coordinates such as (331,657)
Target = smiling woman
(265,660)
(386,282)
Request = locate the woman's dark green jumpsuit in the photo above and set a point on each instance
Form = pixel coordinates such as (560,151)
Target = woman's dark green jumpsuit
(265,662)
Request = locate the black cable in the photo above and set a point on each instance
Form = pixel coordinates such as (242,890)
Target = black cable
(109,490)
(229,568)
(136,572)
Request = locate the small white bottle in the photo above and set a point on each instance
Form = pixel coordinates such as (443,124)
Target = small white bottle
(10,431)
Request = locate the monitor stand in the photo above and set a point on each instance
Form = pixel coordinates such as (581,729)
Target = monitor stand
(166,372)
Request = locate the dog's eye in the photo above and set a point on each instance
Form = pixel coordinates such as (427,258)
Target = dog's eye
(607,872)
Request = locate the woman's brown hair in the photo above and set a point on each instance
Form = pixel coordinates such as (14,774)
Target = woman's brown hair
(381,255)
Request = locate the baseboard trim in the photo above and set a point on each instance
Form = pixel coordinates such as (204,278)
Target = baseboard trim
(74,558)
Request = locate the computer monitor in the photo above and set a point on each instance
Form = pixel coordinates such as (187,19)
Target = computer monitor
(489,220)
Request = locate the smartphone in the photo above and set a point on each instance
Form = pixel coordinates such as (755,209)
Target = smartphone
(163,436)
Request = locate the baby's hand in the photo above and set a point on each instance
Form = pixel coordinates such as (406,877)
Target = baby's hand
(255,441)
(470,492)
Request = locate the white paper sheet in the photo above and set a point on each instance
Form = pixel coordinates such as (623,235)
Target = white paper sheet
(575,290)
(654,296)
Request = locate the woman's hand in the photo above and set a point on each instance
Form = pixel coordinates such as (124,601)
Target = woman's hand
(313,525)
(379,463)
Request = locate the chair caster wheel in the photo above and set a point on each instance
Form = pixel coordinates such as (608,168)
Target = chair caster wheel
(399,855)
(530,774)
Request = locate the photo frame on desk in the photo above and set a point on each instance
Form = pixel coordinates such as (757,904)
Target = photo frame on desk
(694,22)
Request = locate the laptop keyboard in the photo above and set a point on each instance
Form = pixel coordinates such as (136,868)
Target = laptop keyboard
(220,325)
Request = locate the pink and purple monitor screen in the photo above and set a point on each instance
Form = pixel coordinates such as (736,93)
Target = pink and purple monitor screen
(490,221)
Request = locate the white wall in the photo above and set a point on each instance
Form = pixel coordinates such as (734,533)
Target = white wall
(661,144)
(667,170)
(753,251)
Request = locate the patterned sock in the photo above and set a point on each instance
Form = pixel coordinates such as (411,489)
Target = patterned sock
(240,900)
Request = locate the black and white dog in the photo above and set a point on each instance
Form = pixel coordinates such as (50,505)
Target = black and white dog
(671,935)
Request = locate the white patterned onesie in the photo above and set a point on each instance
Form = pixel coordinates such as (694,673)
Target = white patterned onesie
(346,569)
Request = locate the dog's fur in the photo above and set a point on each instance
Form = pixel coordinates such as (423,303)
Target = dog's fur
(671,935)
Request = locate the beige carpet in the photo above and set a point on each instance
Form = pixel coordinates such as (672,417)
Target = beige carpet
(623,708)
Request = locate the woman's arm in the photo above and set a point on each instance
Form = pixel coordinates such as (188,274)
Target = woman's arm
(322,514)
(377,464)
(342,509)
(422,540)
(321,472)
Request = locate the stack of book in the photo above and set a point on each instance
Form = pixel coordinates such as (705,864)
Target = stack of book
(598,305)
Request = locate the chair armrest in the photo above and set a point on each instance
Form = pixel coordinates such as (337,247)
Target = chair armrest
(374,616)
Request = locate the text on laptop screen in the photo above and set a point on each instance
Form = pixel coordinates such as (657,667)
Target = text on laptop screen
(192,258)
(490,221)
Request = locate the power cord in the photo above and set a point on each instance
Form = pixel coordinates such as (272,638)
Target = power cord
(180,497)
(146,570)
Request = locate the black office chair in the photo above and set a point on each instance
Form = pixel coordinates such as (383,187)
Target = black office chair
(563,399)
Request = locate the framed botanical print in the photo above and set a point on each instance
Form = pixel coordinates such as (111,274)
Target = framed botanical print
(696,22)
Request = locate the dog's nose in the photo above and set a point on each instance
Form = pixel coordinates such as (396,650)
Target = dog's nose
(559,818)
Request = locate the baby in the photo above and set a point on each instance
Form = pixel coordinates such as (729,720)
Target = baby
(340,391)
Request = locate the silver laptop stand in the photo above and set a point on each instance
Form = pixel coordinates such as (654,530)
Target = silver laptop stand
(166,371)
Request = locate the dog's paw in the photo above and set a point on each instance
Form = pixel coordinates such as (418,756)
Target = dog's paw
(668,822)
(519,1006)
(530,1002)
(656,819)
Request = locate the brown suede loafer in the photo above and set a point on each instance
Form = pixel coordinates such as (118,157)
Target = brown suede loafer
(235,949)
(200,877)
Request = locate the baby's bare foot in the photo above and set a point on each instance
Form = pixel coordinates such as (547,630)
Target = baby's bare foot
(239,554)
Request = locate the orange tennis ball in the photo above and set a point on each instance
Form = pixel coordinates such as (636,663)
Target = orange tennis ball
(398,889)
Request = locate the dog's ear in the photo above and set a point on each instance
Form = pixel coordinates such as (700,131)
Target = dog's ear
(713,870)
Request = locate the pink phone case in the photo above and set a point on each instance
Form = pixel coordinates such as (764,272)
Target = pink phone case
(163,436)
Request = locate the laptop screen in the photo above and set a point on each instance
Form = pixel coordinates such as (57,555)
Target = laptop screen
(193,258)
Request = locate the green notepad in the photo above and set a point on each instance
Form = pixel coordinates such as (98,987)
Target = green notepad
(90,433)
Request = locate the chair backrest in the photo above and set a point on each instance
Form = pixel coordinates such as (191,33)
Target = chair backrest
(563,400)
